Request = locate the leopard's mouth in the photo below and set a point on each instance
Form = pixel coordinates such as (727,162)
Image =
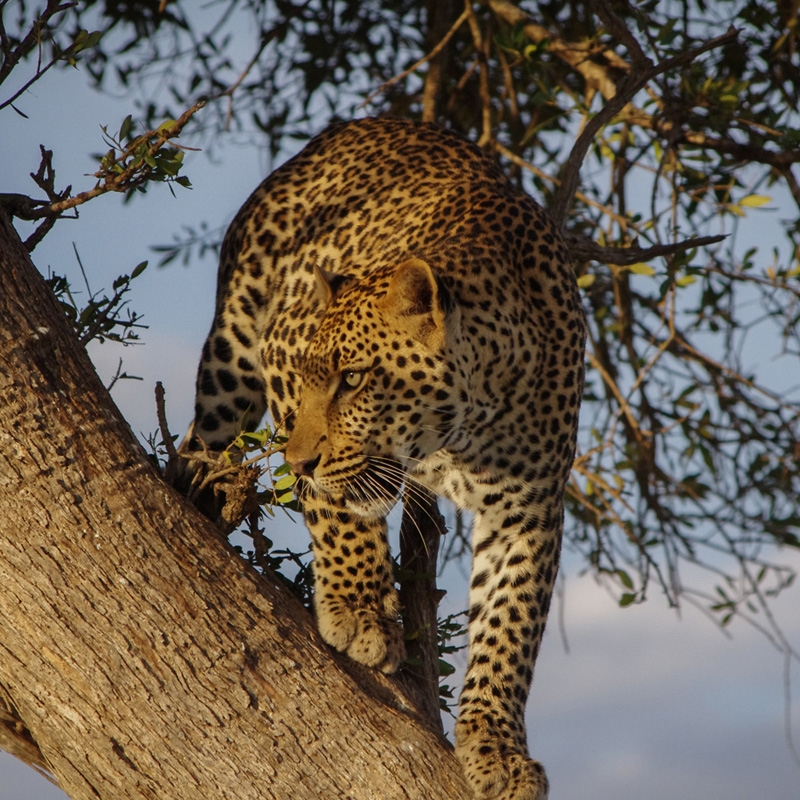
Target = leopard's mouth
(371,490)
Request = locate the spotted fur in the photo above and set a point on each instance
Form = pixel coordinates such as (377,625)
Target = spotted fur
(411,317)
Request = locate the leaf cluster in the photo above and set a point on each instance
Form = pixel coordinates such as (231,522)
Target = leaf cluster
(101,318)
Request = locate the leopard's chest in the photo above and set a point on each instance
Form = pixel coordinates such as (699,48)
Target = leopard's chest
(461,478)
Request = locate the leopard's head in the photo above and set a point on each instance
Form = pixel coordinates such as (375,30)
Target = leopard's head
(381,389)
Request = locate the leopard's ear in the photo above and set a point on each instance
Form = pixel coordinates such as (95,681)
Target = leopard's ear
(418,301)
(328,284)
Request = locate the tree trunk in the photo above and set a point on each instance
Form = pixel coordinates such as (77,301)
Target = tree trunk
(138,652)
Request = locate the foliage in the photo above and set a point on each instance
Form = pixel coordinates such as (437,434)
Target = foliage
(101,318)
(691,431)
(131,162)
(451,634)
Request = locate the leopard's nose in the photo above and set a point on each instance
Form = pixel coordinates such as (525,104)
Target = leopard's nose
(306,467)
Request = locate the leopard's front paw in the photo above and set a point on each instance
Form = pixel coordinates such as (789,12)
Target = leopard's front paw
(366,635)
(493,770)
(378,642)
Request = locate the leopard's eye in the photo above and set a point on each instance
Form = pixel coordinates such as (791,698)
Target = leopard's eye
(350,380)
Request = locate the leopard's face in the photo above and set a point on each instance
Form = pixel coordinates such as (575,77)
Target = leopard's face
(380,394)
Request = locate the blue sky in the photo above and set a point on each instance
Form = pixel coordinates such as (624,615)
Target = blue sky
(647,703)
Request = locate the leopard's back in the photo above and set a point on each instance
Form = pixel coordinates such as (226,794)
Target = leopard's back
(360,195)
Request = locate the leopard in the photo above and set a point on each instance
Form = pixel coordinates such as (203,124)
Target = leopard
(409,317)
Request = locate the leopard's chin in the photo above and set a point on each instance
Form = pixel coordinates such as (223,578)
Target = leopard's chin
(375,490)
(368,509)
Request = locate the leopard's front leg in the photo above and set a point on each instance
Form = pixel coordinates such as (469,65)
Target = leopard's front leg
(355,598)
(515,559)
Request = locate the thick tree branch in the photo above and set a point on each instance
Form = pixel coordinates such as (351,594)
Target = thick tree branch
(575,54)
(145,658)
(582,248)
(420,533)
(15,738)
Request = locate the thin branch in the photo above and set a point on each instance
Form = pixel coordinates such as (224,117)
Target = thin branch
(575,54)
(417,64)
(265,40)
(31,39)
(173,459)
(481,50)
(132,176)
(626,91)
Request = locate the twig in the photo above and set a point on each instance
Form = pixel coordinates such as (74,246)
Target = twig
(128,179)
(173,459)
(45,179)
(417,64)
(131,177)
(31,39)
(265,40)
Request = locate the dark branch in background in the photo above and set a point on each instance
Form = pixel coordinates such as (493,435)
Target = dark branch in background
(417,64)
(443,22)
(32,39)
(641,74)
(420,533)
(574,54)
(581,248)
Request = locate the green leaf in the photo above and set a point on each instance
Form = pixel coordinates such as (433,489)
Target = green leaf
(626,599)
(284,499)
(138,269)
(255,438)
(625,579)
(445,669)
(92,39)
(286,482)
(125,128)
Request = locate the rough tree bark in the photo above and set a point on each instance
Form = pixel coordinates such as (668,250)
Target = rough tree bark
(138,654)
